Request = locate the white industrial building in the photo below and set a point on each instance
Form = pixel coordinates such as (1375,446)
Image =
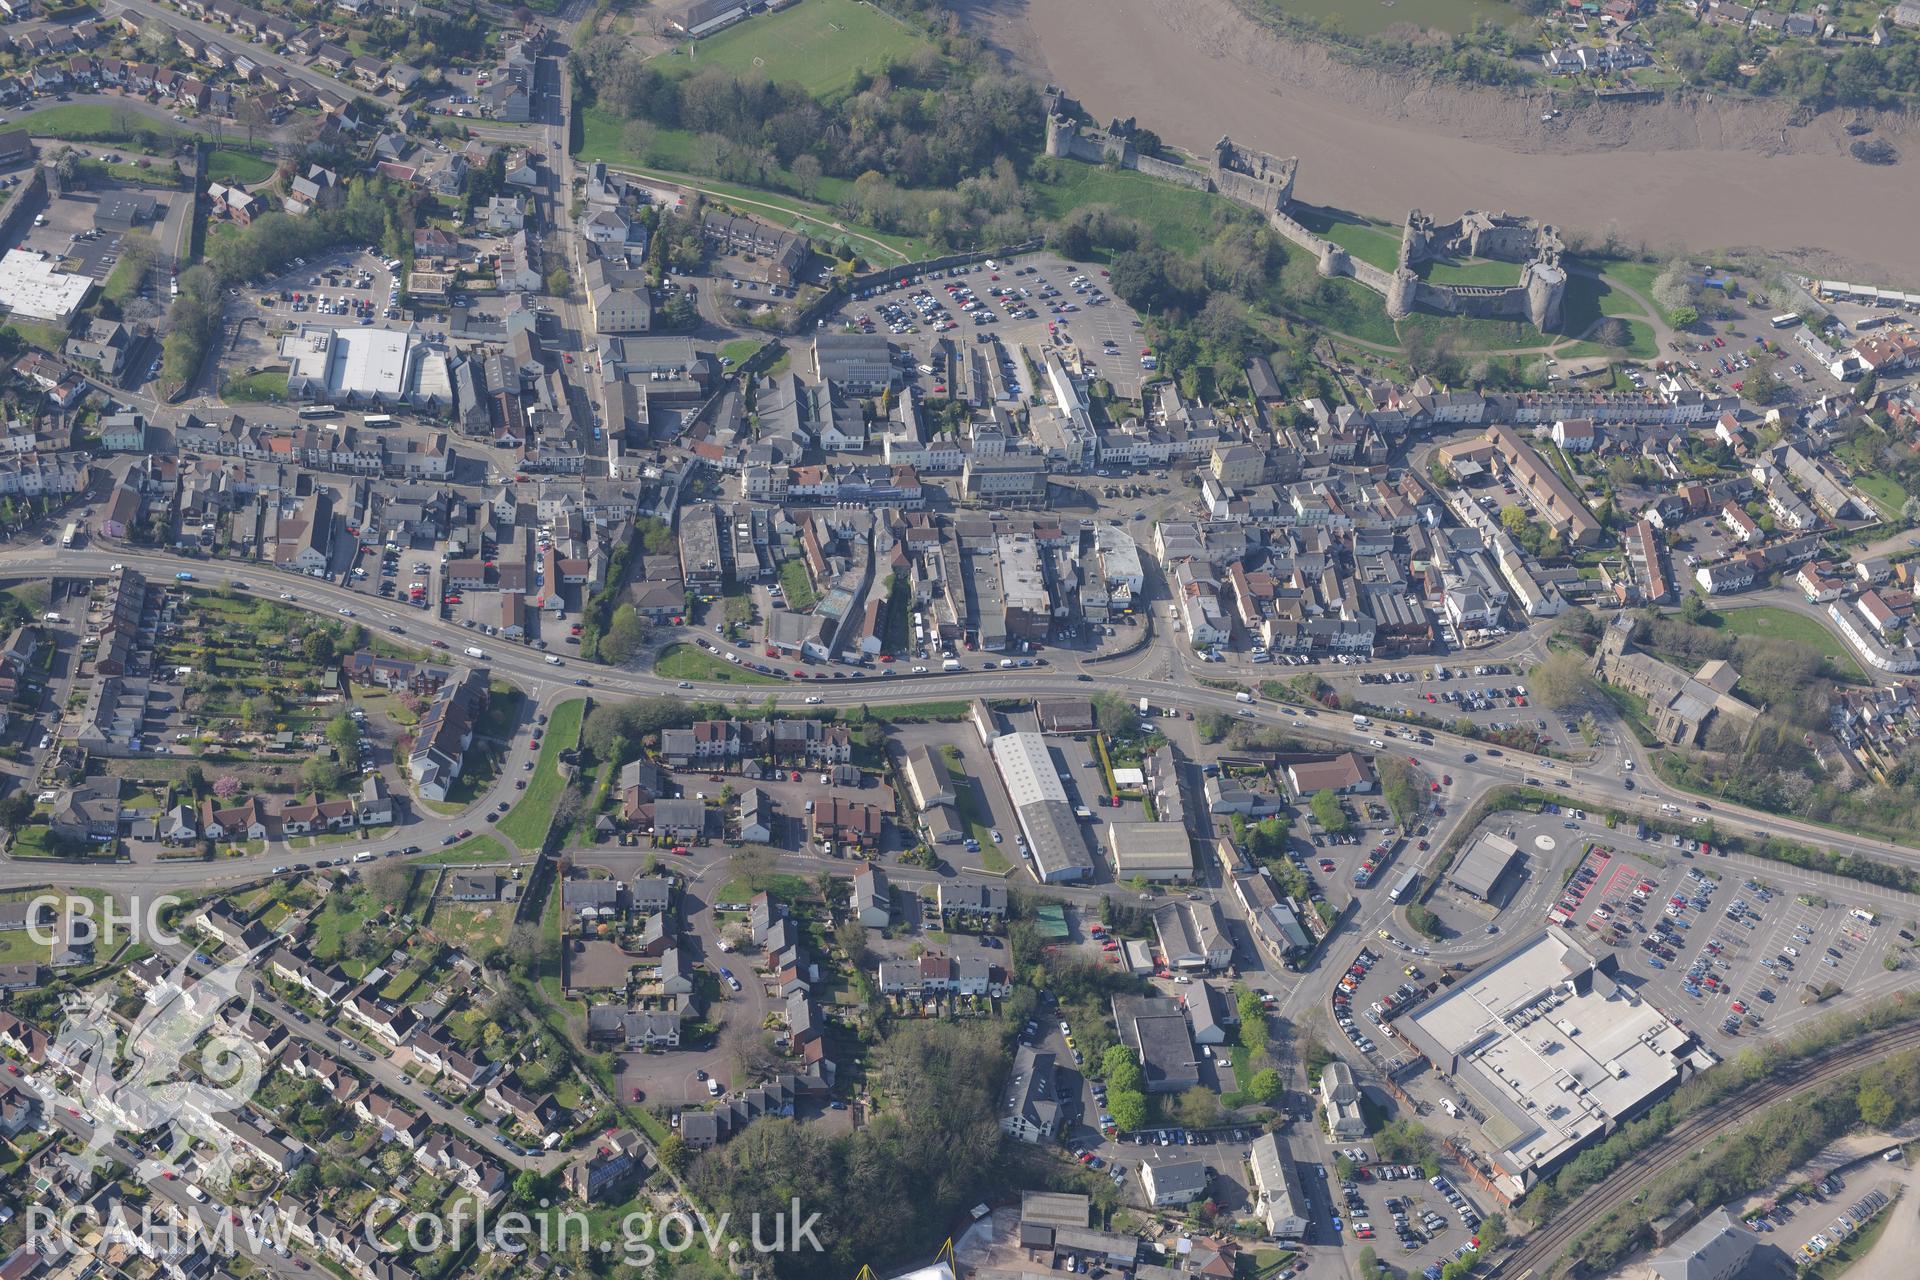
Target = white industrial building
(352,365)
(1054,839)
(31,286)
(1552,1052)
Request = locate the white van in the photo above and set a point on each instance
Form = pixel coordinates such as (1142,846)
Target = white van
(1361,722)
(365,855)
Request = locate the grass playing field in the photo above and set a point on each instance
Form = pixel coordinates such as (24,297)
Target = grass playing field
(821,45)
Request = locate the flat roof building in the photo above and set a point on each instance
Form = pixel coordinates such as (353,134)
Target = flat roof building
(353,365)
(31,286)
(1150,850)
(1486,865)
(1552,1051)
(1155,1028)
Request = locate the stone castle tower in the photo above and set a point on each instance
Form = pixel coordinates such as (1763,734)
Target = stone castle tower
(1403,290)
(1060,132)
(1546,286)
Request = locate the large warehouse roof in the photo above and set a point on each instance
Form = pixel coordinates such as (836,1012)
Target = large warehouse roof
(1552,1051)
(358,363)
(1026,766)
(1058,845)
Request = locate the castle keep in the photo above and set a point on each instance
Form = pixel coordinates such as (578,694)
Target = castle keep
(1264,183)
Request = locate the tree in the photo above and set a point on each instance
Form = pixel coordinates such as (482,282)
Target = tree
(343,734)
(1561,680)
(1685,317)
(1329,812)
(1121,1069)
(637,139)
(1693,609)
(1875,1104)
(1113,714)
(226,786)
(249,713)
(806,174)
(1589,728)
(1266,1086)
(1198,1107)
(390,882)
(318,646)
(675,1153)
(559,282)
(626,635)
(1128,1109)
(320,774)
(194,779)
(851,936)
(1423,920)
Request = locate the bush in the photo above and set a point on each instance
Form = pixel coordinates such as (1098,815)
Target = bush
(1424,920)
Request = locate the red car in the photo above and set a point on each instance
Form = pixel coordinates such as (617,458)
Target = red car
(1110,946)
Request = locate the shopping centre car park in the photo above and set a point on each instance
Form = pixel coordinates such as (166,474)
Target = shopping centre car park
(1725,941)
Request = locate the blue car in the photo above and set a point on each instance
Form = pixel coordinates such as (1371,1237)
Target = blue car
(1656,962)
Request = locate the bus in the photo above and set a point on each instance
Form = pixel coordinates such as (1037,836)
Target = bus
(1786,321)
(377,420)
(72,532)
(318,411)
(1403,887)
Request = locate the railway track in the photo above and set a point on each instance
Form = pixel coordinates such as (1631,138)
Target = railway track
(1537,1256)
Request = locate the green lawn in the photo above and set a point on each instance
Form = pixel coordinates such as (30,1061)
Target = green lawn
(473,849)
(84,120)
(1470,271)
(527,824)
(1363,238)
(685,662)
(821,45)
(237,166)
(740,349)
(1639,277)
(1181,218)
(1767,622)
(1885,491)
(334,927)
(255,388)
(123,281)
(1590,298)
(797,585)
(473,926)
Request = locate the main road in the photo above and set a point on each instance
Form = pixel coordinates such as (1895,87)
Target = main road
(1474,771)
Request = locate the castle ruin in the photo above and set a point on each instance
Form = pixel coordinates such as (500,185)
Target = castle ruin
(1264,184)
